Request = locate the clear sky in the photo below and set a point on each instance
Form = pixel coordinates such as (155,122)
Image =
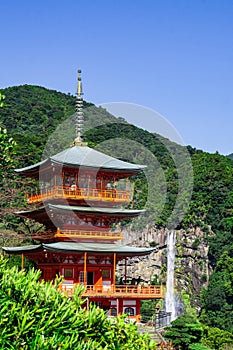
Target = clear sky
(173,56)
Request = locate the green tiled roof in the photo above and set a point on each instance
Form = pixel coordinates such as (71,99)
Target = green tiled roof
(98,210)
(83,156)
(73,247)
(21,249)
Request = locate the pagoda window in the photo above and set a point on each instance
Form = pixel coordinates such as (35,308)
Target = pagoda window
(69,179)
(129,311)
(113,311)
(81,276)
(68,273)
(89,277)
(106,274)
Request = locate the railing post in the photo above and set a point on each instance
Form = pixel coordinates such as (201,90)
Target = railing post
(114,269)
(22,261)
(85,269)
(125,270)
(117,306)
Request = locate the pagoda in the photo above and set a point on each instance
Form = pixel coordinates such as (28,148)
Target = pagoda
(81,203)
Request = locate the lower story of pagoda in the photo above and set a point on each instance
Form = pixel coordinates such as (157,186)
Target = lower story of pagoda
(117,299)
(94,267)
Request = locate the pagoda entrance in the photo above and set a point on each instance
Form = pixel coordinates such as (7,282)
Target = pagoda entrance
(90,278)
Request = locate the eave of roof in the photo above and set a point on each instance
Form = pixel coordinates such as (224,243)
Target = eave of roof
(83,210)
(73,247)
(22,249)
(98,210)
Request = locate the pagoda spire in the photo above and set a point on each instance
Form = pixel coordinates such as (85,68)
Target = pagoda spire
(79,113)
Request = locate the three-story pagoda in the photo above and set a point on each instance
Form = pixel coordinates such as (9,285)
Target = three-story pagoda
(82,193)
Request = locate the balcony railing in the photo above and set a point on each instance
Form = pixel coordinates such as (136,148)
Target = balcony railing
(104,235)
(117,291)
(59,192)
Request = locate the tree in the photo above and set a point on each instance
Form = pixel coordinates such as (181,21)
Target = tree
(184,331)
(7,151)
(2,98)
(217,339)
(7,146)
(8,184)
(217,299)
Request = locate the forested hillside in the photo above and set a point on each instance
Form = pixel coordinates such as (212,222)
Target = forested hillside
(32,114)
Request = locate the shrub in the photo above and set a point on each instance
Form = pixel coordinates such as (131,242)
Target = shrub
(36,315)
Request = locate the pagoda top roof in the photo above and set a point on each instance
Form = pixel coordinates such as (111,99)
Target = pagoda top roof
(82,156)
(73,247)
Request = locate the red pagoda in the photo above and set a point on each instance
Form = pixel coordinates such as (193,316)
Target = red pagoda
(81,199)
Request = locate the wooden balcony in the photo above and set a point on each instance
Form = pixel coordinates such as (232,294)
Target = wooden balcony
(83,234)
(117,291)
(92,194)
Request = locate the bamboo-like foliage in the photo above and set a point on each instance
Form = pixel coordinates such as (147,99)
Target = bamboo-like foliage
(36,315)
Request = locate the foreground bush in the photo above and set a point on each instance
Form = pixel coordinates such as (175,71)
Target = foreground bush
(217,339)
(36,315)
(185,333)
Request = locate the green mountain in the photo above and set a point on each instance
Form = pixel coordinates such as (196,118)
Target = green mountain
(230,156)
(42,121)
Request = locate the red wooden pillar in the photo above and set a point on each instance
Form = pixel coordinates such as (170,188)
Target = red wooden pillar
(22,261)
(125,270)
(85,269)
(138,305)
(119,306)
(114,270)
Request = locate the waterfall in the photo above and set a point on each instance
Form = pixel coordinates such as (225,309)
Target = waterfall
(170,293)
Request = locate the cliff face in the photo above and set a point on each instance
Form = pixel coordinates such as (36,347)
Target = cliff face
(191,265)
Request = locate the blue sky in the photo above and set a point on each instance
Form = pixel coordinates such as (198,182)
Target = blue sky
(173,56)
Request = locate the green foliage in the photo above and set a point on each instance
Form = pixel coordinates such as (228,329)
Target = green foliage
(198,346)
(184,332)
(36,112)
(33,115)
(36,315)
(196,243)
(187,305)
(217,339)
(147,310)
(217,299)
(7,151)
(2,98)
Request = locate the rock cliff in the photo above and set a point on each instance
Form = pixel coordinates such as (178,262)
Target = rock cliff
(191,267)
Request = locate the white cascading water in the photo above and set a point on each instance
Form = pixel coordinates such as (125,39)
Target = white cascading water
(170,303)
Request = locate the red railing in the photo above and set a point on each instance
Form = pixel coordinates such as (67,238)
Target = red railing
(114,291)
(105,235)
(81,193)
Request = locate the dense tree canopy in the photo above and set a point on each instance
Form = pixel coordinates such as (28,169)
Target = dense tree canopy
(34,115)
(217,299)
